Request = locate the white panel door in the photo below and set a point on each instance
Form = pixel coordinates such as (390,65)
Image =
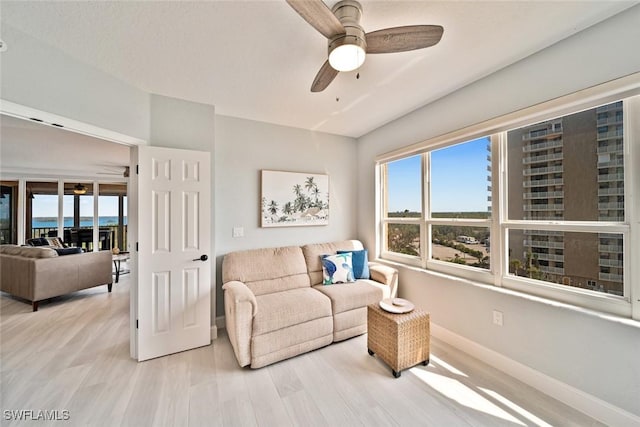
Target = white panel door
(174,242)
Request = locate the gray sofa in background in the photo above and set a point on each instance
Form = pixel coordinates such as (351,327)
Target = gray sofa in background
(276,306)
(39,273)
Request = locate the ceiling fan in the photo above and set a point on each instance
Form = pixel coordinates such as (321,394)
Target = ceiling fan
(348,43)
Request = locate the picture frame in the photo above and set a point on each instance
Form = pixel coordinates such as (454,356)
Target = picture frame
(294,199)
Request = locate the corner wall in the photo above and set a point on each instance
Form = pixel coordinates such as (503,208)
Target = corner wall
(597,355)
(243,149)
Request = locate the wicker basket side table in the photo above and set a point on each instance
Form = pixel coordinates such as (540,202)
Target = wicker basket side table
(400,340)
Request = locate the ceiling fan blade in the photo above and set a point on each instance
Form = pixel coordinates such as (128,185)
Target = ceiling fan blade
(319,16)
(324,77)
(402,39)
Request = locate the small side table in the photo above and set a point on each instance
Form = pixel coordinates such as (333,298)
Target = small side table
(400,340)
(117,259)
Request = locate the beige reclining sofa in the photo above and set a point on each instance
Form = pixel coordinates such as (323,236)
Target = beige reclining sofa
(276,306)
(38,273)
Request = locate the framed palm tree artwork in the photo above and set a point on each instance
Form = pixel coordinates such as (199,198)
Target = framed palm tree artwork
(294,199)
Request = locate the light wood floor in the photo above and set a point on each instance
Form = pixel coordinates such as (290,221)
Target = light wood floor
(73,354)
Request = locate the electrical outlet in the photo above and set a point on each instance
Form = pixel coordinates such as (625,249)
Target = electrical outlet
(497,318)
(238,232)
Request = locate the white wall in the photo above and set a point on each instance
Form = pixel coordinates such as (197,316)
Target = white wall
(176,123)
(44,78)
(594,354)
(243,149)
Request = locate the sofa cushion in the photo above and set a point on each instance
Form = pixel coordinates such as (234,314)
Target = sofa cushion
(313,252)
(337,269)
(28,251)
(348,296)
(284,309)
(292,341)
(349,324)
(38,241)
(359,263)
(68,251)
(55,242)
(267,270)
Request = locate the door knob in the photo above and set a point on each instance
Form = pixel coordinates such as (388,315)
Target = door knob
(202,258)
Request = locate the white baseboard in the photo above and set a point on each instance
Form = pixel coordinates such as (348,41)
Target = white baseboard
(578,399)
(214,332)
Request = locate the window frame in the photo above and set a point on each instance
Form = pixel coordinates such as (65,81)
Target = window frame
(626,89)
(386,221)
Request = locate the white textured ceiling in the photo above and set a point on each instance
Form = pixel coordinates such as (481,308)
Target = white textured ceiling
(257,59)
(36,150)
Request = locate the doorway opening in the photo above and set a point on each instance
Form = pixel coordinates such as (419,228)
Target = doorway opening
(68,181)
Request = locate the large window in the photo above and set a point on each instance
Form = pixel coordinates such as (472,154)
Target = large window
(112,215)
(453,209)
(459,208)
(538,207)
(8,212)
(70,210)
(41,209)
(403,207)
(78,214)
(567,174)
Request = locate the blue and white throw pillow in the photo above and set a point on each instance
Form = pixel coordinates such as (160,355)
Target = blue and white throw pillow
(337,269)
(360,263)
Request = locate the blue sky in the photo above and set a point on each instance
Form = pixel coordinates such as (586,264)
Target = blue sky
(47,206)
(458,179)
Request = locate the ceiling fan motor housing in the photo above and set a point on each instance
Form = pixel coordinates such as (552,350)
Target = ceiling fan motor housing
(348,44)
(349,13)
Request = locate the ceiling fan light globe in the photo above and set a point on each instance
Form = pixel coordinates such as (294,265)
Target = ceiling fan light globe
(347,57)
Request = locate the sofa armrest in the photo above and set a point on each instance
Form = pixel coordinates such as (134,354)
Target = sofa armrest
(386,275)
(240,307)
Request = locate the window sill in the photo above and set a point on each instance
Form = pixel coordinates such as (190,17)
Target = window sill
(518,294)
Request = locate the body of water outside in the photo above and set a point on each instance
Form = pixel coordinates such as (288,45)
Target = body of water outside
(85,221)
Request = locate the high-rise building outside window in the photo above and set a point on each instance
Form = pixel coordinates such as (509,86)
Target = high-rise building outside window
(568,169)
